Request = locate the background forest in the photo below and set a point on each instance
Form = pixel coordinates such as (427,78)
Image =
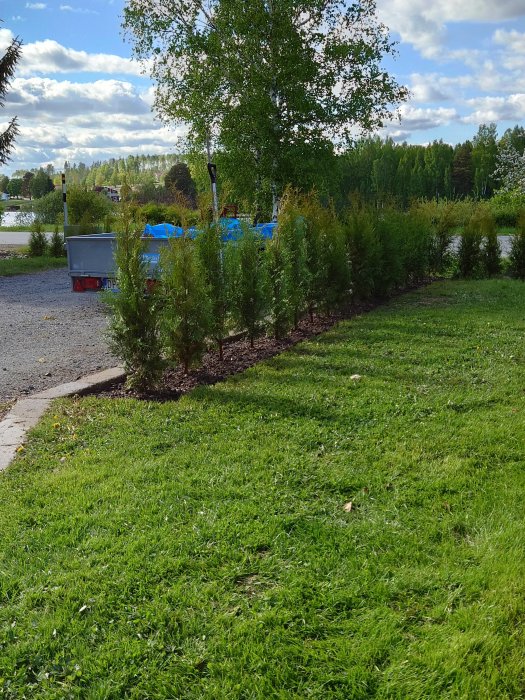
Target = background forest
(375,171)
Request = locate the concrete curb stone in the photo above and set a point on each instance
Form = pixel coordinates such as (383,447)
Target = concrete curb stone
(26,412)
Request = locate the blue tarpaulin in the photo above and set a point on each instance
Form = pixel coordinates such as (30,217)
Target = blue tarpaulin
(232,230)
(163,231)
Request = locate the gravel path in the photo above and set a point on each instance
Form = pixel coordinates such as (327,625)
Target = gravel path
(48,334)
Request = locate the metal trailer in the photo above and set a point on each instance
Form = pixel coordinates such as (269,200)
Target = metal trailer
(91,260)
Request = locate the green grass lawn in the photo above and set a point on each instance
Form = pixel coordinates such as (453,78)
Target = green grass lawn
(201,549)
(21,266)
(49,228)
(5,203)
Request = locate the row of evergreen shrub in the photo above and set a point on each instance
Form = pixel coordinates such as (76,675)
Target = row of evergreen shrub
(316,262)
(39,245)
(479,252)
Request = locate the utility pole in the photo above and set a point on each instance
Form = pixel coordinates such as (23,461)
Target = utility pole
(64,200)
(212,170)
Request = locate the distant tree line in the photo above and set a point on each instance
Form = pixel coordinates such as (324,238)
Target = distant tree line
(381,171)
(374,171)
(132,170)
(144,174)
(31,185)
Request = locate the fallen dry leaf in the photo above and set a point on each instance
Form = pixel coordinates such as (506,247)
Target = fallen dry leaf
(348,507)
(355,377)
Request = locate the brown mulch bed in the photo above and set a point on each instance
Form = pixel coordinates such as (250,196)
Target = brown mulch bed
(238,355)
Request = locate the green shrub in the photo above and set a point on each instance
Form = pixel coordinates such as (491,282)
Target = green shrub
(479,251)
(56,244)
(83,229)
(291,232)
(491,254)
(418,243)
(313,216)
(84,206)
(442,218)
(109,222)
(464,209)
(245,261)
(49,207)
(279,304)
(390,226)
(180,215)
(186,305)
(133,330)
(37,240)
(326,260)
(364,252)
(506,207)
(210,248)
(153,213)
(176,214)
(87,207)
(469,251)
(491,250)
(517,251)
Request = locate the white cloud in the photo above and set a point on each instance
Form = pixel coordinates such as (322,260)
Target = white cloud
(496,109)
(6,37)
(73,120)
(81,10)
(512,52)
(429,88)
(49,56)
(472,58)
(36,5)
(64,120)
(399,135)
(47,98)
(423,24)
(420,119)
(34,149)
(513,41)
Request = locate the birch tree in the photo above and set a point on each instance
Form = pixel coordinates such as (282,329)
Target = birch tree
(273,82)
(510,170)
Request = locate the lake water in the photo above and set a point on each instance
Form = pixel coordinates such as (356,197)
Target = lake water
(17,218)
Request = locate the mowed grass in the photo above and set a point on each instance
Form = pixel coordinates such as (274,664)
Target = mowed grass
(201,549)
(21,266)
(15,228)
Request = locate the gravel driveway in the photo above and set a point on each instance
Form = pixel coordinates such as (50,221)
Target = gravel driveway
(48,334)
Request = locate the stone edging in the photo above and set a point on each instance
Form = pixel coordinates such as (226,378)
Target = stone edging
(26,412)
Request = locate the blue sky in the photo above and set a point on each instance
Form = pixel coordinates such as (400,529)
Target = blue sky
(79,95)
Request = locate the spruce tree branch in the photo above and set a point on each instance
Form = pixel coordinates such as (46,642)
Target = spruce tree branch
(8,65)
(7,139)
